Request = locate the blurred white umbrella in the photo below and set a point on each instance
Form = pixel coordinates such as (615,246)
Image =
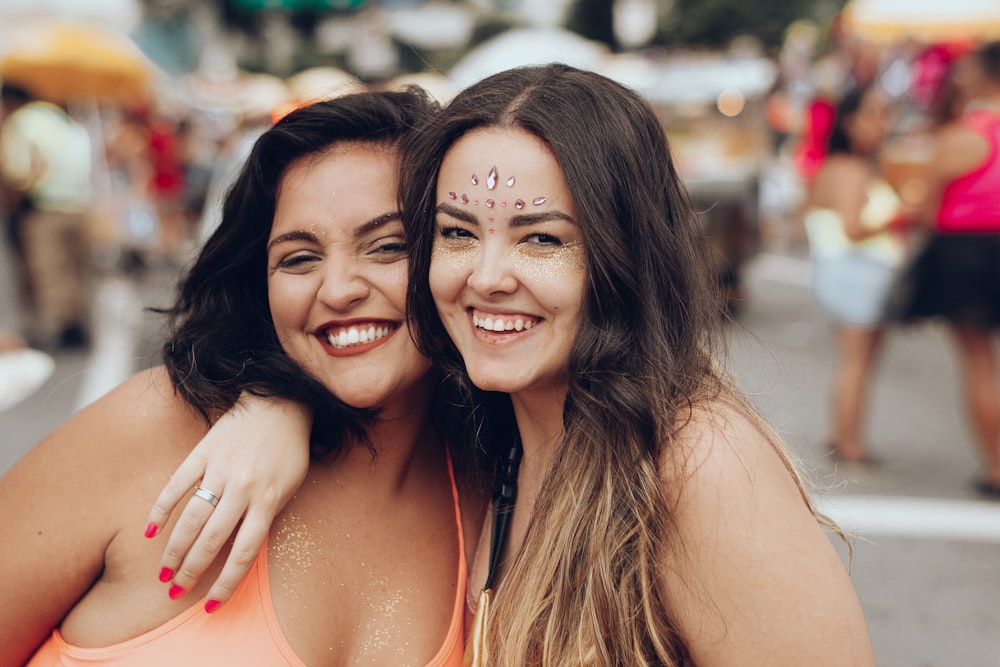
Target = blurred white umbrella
(119,14)
(527,46)
(437,85)
(887,21)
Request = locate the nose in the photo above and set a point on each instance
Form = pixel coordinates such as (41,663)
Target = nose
(493,271)
(344,286)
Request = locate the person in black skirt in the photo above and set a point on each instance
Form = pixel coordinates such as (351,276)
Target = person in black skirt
(955,276)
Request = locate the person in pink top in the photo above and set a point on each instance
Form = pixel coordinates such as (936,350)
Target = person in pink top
(299,294)
(956,275)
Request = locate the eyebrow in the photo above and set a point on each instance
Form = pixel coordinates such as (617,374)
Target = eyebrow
(519,220)
(366,228)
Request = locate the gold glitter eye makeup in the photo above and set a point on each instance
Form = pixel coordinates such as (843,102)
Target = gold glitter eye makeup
(548,262)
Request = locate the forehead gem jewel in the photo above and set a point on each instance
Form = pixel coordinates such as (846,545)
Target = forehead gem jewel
(476,202)
(490,203)
(465,199)
(538,201)
(475,180)
(491,179)
(504,204)
(519,204)
(510,182)
(452,195)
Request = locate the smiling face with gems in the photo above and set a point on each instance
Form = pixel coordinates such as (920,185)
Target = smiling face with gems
(509,265)
(337,276)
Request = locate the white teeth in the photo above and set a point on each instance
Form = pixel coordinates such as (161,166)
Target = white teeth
(489,323)
(357,336)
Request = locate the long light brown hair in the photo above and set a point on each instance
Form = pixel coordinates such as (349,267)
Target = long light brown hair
(583,588)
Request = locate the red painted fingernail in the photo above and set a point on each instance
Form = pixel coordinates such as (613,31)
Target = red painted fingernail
(166,574)
(151,530)
(212,605)
(176,592)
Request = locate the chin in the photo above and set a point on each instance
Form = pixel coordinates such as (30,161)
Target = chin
(493,382)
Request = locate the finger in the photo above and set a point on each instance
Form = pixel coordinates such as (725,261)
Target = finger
(248,543)
(189,526)
(179,485)
(209,541)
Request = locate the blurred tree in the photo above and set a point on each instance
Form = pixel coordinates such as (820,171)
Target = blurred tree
(711,23)
(593,20)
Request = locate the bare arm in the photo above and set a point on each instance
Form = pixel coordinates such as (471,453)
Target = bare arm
(254,459)
(64,502)
(957,151)
(756,581)
(842,186)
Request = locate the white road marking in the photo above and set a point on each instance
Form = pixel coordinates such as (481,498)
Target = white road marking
(923,518)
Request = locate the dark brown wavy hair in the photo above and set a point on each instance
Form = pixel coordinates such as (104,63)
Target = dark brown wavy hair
(223,340)
(582,590)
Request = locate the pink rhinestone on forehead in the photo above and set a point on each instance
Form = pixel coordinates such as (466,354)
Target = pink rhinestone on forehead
(492,179)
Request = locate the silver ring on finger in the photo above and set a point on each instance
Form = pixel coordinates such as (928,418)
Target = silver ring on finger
(207,496)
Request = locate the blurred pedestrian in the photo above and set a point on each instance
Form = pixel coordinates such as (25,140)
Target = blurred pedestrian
(850,209)
(956,274)
(45,159)
(22,369)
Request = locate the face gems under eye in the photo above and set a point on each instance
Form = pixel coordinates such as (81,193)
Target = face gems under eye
(548,262)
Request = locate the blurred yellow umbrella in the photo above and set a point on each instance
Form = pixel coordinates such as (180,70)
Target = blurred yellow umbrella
(64,61)
(929,21)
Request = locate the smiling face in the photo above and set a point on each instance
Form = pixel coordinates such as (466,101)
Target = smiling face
(337,276)
(509,265)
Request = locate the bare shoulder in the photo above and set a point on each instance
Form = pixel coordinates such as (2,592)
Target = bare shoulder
(66,500)
(139,413)
(724,447)
(957,150)
(749,572)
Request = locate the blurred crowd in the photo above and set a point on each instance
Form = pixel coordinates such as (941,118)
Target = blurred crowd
(895,147)
(890,145)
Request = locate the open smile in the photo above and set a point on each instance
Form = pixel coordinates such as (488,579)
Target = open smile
(498,323)
(356,337)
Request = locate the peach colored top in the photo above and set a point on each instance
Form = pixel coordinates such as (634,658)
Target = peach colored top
(244,631)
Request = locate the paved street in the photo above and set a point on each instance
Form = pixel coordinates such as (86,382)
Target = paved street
(927,550)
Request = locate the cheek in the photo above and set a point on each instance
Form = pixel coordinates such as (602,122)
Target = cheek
(289,298)
(390,280)
(450,269)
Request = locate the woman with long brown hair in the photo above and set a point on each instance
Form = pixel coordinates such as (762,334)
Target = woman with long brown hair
(645,514)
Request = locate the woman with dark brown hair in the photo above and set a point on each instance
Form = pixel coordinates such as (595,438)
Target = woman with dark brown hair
(645,514)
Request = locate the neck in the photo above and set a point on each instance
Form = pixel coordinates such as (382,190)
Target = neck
(539,416)
(403,441)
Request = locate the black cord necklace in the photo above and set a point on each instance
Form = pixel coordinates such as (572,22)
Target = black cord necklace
(504,495)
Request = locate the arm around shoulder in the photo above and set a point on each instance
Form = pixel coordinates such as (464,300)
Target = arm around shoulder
(750,575)
(63,503)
